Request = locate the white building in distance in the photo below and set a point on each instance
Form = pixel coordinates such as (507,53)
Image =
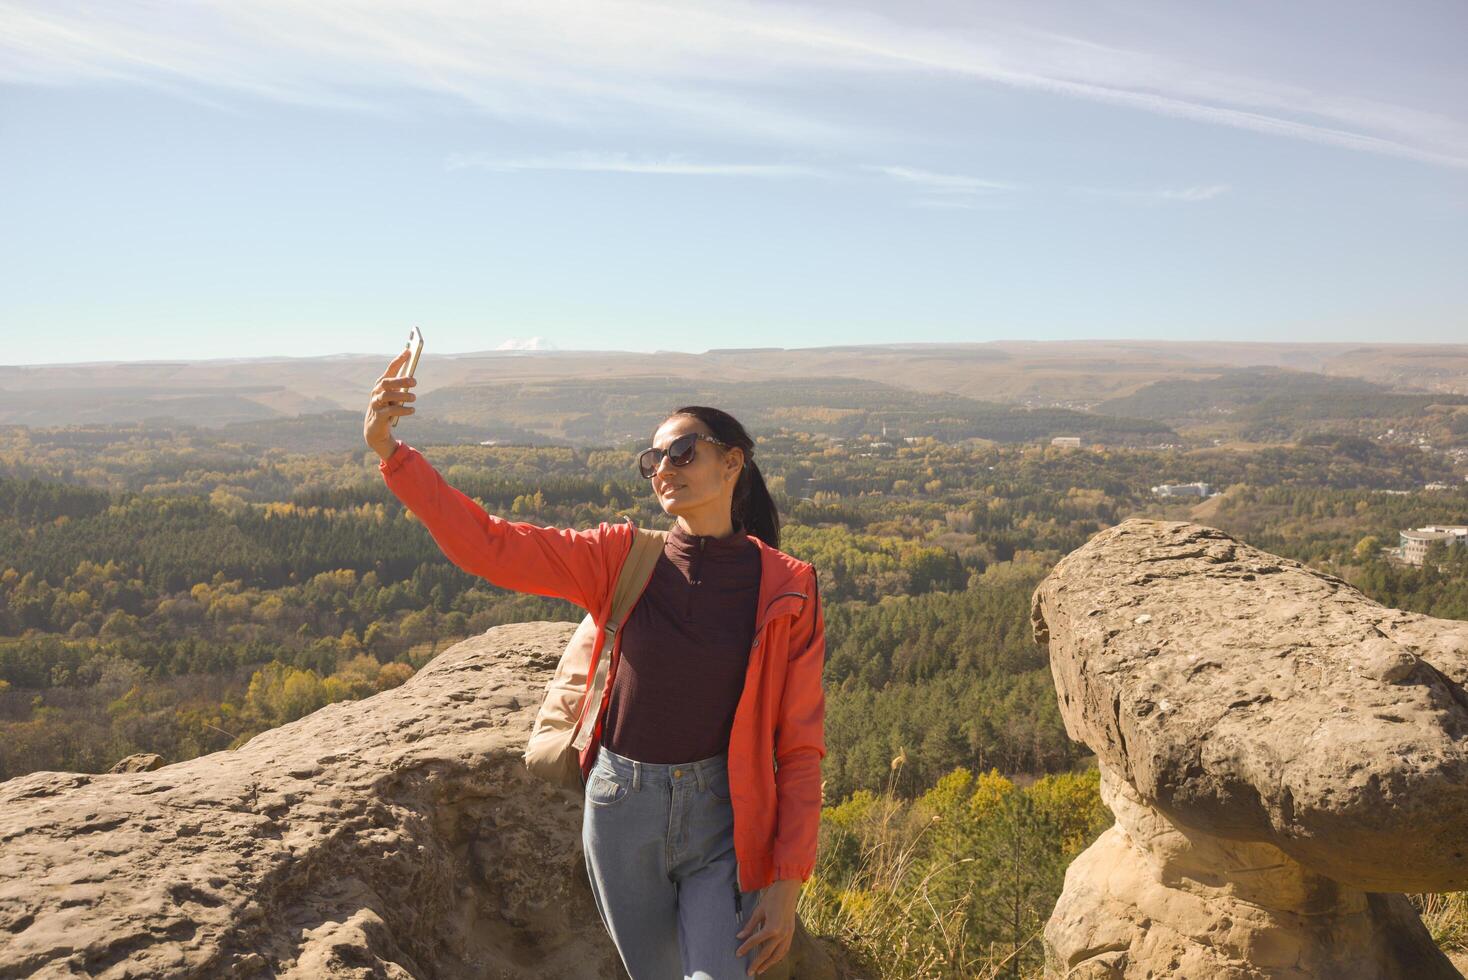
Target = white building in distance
(1183,490)
(1413,546)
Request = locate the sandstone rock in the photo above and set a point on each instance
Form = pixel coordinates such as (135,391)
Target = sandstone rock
(395,837)
(1281,754)
(139,762)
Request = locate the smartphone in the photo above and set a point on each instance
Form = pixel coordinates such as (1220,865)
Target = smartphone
(415,344)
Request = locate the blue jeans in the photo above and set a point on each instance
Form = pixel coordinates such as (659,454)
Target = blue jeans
(659,844)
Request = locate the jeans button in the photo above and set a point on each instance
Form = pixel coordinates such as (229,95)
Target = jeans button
(677,773)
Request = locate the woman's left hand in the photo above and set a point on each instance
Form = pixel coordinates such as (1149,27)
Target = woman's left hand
(774,917)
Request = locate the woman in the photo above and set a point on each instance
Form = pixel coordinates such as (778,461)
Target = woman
(704,787)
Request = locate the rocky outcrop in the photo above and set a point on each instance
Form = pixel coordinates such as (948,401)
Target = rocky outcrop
(1283,755)
(395,837)
(139,762)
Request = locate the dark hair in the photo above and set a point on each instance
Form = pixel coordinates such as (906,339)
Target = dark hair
(752,509)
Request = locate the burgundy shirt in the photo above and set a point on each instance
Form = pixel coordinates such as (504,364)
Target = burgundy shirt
(685,648)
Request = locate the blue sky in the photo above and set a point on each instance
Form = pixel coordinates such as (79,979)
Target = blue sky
(254,179)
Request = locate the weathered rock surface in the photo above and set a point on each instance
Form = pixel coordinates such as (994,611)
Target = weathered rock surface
(395,837)
(1281,753)
(139,762)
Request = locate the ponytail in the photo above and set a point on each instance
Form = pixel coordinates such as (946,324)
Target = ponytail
(753,510)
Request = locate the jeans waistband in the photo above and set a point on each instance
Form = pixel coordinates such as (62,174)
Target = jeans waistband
(658,773)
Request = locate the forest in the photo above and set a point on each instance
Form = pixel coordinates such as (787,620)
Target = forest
(181,591)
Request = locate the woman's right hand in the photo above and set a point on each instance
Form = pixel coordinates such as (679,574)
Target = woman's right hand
(387,400)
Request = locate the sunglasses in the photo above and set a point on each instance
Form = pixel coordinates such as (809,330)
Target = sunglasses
(679,452)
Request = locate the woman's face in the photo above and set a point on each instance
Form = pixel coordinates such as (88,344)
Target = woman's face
(705,485)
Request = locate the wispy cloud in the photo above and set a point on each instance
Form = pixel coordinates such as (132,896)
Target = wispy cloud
(623,163)
(737,68)
(963,205)
(1205,192)
(947,183)
(959,191)
(1194,193)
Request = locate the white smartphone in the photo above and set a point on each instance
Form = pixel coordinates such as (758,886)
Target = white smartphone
(415,344)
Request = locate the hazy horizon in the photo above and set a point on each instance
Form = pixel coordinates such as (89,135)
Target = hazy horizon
(528,351)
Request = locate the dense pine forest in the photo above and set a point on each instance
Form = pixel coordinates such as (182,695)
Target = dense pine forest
(169,590)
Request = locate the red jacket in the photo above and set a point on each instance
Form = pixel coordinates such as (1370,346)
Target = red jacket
(778,738)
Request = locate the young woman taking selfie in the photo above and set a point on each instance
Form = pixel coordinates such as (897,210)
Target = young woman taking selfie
(703,804)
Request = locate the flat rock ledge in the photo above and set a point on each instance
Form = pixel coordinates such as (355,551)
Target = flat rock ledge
(395,837)
(1284,757)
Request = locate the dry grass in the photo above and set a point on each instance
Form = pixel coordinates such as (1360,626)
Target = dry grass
(897,929)
(1446,918)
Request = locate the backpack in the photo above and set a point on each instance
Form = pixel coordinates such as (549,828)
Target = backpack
(564,726)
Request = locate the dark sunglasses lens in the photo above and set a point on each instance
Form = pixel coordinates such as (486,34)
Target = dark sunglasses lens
(681,449)
(679,452)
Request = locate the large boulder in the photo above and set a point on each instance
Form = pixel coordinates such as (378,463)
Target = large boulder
(395,837)
(1282,754)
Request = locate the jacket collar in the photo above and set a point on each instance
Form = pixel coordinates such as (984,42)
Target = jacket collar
(780,575)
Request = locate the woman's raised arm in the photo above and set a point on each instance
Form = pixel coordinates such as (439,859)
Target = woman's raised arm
(580,566)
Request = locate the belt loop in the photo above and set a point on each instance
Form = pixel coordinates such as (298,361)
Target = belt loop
(703,779)
(636,775)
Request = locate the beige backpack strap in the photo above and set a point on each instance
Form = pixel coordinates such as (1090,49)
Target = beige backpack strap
(636,569)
